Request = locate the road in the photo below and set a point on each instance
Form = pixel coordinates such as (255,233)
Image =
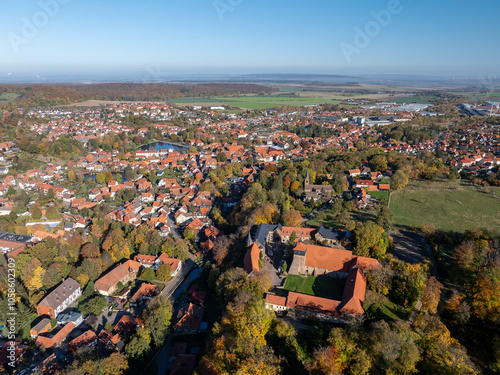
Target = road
(173,284)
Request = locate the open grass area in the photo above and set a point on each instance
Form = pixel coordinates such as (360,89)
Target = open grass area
(316,286)
(449,205)
(8,97)
(381,196)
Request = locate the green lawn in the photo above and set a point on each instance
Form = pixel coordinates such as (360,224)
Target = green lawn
(316,286)
(381,196)
(449,205)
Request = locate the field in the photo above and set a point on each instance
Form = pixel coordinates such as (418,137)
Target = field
(381,196)
(316,286)
(449,205)
(256,102)
(8,97)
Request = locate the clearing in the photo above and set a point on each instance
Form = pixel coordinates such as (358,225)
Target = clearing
(449,205)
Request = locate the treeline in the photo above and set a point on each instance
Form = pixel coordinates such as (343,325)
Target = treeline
(49,95)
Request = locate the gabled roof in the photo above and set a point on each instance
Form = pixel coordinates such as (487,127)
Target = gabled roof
(115,275)
(50,342)
(354,293)
(60,294)
(312,303)
(327,258)
(251,261)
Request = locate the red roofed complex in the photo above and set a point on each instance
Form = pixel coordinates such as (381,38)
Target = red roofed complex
(339,263)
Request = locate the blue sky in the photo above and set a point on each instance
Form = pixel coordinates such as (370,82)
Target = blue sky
(169,37)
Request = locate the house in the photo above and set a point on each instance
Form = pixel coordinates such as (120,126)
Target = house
(189,321)
(42,326)
(60,298)
(11,248)
(57,339)
(126,324)
(70,316)
(145,292)
(122,273)
(175,264)
(183,364)
(333,237)
(145,260)
(316,192)
(302,234)
(251,260)
(85,339)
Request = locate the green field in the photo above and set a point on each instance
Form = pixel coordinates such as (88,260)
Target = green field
(449,205)
(8,97)
(257,102)
(381,196)
(316,286)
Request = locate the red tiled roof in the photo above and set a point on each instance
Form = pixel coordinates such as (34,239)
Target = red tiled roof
(251,261)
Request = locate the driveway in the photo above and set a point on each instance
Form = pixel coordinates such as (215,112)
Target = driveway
(409,246)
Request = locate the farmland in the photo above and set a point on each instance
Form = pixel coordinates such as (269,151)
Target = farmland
(257,102)
(449,205)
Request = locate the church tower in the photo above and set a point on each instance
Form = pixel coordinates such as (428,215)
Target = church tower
(306,181)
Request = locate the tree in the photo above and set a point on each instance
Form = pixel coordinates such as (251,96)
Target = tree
(101,178)
(34,282)
(52,213)
(137,347)
(431,295)
(378,163)
(370,241)
(108,176)
(294,186)
(221,157)
(324,362)
(408,282)
(458,308)
(36,212)
(221,249)
(385,217)
(189,234)
(156,318)
(207,186)
(147,274)
(486,299)
(164,272)
(292,218)
(90,250)
(94,305)
(71,175)
(399,180)
(51,194)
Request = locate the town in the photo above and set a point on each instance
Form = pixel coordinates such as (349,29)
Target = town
(134,226)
